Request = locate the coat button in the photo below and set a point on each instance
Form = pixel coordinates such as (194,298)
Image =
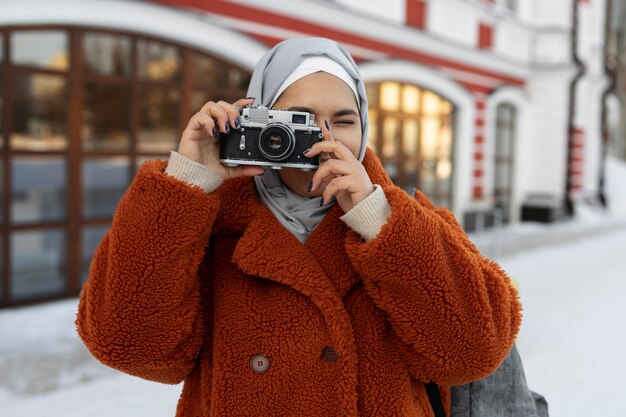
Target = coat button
(259,363)
(328,354)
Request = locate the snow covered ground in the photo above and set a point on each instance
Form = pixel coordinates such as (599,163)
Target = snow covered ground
(572,279)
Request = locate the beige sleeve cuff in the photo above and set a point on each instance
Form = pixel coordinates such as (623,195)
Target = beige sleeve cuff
(192,172)
(370,215)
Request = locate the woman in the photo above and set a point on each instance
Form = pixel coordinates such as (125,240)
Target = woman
(267,297)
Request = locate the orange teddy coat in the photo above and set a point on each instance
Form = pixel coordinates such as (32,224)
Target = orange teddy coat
(190,286)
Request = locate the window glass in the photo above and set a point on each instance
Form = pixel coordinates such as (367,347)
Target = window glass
(213,80)
(412,129)
(104,182)
(158,62)
(38,264)
(39,112)
(91,237)
(410,99)
(39,189)
(2,196)
(372,129)
(511,5)
(390,96)
(40,48)
(106,117)
(432,103)
(159,127)
(429,137)
(141,159)
(1,108)
(106,54)
(391,131)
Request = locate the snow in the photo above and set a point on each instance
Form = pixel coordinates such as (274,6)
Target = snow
(571,280)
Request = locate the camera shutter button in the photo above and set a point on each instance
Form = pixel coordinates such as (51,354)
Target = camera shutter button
(242,143)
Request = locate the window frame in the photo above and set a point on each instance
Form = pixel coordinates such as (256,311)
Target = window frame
(74,156)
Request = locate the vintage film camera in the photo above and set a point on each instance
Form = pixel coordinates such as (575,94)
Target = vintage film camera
(274,138)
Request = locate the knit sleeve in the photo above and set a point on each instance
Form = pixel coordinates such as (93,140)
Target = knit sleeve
(192,172)
(455,311)
(140,309)
(369,216)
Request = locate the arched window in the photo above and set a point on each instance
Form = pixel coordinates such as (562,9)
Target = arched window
(80,110)
(503,171)
(411,130)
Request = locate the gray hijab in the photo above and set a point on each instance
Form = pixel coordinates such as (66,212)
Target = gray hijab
(299,214)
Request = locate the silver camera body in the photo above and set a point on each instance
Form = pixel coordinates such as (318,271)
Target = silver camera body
(273,138)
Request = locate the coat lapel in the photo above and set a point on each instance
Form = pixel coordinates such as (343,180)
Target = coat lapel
(270,251)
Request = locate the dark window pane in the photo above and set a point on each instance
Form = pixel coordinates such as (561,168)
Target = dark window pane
(1,108)
(2,277)
(39,112)
(40,48)
(2,196)
(39,189)
(104,183)
(158,62)
(92,235)
(159,128)
(215,80)
(145,158)
(107,54)
(207,73)
(38,264)
(106,117)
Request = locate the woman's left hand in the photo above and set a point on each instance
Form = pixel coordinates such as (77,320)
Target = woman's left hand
(344,176)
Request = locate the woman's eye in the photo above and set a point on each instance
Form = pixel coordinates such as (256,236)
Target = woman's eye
(344,122)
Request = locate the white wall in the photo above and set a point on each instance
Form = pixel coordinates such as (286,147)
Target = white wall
(454,20)
(547,140)
(392,10)
(513,40)
(551,12)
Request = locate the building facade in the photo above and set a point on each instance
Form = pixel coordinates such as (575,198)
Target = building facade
(492,108)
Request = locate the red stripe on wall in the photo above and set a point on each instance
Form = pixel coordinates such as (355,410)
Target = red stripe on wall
(244,12)
(479,139)
(485,36)
(478,173)
(475,88)
(477,192)
(416,13)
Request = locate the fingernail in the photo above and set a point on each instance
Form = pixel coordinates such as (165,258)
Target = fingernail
(227,129)
(306,151)
(327,125)
(321,201)
(237,123)
(310,187)
(215,132)
(250,98)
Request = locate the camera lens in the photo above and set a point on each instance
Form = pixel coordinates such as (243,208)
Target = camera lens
(276,141)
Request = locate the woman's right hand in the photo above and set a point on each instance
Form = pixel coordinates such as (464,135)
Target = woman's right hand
(200,143)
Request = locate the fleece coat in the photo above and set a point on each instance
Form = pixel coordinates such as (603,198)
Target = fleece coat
(190,286)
